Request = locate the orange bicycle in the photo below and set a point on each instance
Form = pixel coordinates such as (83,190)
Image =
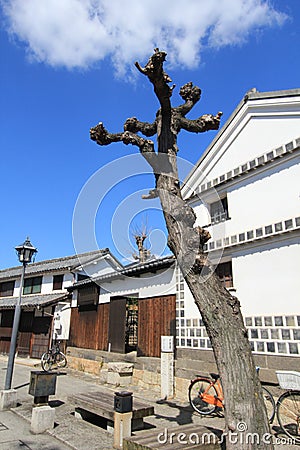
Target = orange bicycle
(206,396)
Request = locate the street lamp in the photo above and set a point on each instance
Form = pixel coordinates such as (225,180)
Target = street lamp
(25,253)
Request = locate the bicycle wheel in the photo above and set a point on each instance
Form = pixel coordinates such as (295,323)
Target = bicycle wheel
(60,360)
(288,414)
(46,361)
(269,403)
(196,388)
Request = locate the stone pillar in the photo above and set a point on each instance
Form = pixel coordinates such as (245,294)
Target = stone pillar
(122,428)
(42,419)
(167,367)
(8,399)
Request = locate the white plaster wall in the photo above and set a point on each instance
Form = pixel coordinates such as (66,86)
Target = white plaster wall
(267,281)
(17,287)
(47,283)
(259,126)
(257,136)
(100,267)
(61,327)
(190,309)
(47,286)
(68,280)
(74,298)
(202,213)
(145,286)
(265,199)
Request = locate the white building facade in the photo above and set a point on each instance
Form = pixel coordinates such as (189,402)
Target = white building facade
(245,190)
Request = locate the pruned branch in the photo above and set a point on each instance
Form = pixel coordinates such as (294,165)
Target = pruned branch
(203,123)
(146,147)
(191,94)
(134,125)
(102,136)
(152,194)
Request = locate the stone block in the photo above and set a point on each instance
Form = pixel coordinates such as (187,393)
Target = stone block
(137,375)
(42,419)
(8,399)
(181,388)
(119,379)
(119,373)
(120,367)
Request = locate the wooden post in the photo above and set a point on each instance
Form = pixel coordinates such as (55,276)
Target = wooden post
(122,428)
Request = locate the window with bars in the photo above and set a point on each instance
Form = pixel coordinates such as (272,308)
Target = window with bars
(32,285)
(219,210)
(7,288)
(88,297)
(57,282)
(224,272)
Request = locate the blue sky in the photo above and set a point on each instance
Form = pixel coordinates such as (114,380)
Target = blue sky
(68,64)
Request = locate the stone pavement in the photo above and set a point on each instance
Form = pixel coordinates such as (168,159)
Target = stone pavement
(70,432)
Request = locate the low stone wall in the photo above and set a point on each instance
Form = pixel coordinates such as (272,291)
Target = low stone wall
(85,365)
(188,364)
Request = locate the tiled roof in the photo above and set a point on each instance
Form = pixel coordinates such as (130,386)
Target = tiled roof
(32,300)
(67,263)
(131,270)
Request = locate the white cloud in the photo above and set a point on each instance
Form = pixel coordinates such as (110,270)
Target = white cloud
(78,33)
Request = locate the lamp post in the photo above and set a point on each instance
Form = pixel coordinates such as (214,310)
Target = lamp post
(25,253)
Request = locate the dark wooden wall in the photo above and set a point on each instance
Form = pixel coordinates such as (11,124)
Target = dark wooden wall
(33,337)
(41,336)
(5,334)
(157,317)
(89,329)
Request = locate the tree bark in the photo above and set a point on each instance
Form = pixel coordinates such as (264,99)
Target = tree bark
(244,408)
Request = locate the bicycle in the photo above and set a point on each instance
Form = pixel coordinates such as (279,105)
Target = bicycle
(288,404)
(206,396)
(53,358)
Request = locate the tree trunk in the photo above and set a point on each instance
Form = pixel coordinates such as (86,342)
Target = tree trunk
(246,420)
(243,406)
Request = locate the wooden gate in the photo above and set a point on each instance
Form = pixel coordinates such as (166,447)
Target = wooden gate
(157,317)
(117,324)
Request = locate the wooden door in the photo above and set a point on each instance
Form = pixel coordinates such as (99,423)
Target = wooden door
(25,333)
(7,317)
(117,324)
(41,330)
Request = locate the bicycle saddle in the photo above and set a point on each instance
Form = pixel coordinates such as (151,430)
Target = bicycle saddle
(215,376)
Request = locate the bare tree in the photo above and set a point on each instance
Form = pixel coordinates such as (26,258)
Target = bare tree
(140,234)
(220,311)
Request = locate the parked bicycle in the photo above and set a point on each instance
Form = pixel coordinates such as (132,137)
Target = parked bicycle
(53,358)
(288,404)
(206,397)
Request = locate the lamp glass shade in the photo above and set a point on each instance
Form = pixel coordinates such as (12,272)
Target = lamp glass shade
(26,251)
